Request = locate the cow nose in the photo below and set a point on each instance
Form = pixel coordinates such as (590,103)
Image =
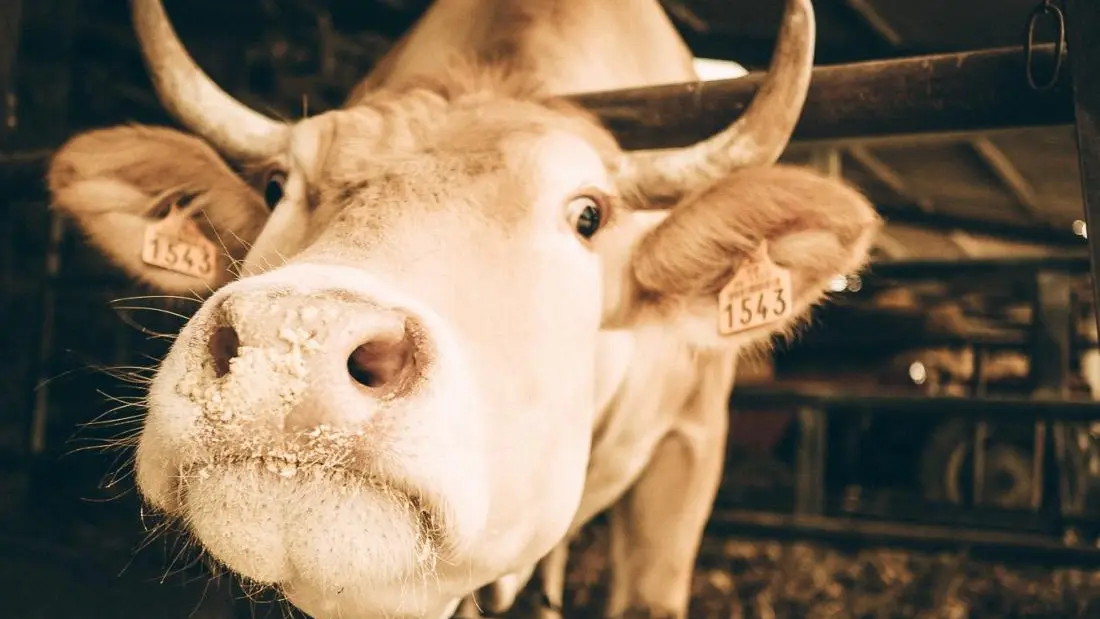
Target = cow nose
(373,348)
(384,363)
(223,345)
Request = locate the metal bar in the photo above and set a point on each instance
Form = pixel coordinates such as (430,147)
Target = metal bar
(1002,546)
(784,395)
(979,429)
(813,422)
(974,90)
(810,467)
(1083,45)
(1052,328)
(1038,464)
(1049,369)
(827,161)
(1052,325)
(900,506)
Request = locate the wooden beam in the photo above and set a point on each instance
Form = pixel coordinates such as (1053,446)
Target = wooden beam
(887,176)
(971,268)
(893,401)
(861,154)
(984,246)
(1005,171)
(992,156)
(684,14)
(1083,44)
(890,247)
(876,22)
(1042,234)
(977,90)
(911,140)
(49,86)
(828,161)
(722,40)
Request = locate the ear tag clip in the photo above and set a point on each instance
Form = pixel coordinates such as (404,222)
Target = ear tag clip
(758,294)
(175,243)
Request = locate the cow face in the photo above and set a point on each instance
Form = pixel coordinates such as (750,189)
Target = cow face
(412,349)
(395,402)
(391,404)
(405,373)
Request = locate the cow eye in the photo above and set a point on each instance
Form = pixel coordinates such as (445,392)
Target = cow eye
(586,215)
(273,189)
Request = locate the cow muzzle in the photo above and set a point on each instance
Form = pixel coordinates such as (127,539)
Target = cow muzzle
(325,359)
(296,425)
(291,376)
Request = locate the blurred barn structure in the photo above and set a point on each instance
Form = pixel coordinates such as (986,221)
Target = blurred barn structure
(943,399)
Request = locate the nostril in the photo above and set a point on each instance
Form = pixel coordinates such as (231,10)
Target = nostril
(383,364)
(223,346)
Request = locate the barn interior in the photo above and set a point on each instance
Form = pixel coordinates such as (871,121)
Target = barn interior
(927,448)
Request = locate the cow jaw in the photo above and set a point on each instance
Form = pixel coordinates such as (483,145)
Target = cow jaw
(355,500)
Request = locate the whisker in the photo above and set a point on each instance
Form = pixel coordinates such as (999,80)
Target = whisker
(218,236)
(185,545)
(156,297)
(104,418)
(243,242)
(142,328)
(105,369)
(156,532)
(152,309)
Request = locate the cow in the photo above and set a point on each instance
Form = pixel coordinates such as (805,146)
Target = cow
(448,323)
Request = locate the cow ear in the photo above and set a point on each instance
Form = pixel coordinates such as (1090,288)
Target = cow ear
(116,182)
(761,229)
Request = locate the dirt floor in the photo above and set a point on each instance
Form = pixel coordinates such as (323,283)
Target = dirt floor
(769,580)
(91,574)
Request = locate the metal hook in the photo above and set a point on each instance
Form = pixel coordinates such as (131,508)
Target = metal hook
(1046,8)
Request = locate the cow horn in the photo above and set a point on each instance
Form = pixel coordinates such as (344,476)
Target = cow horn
(757,138)
(194,99)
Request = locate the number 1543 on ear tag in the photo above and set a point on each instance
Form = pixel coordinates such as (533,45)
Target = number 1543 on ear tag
(758,294)
(175,243)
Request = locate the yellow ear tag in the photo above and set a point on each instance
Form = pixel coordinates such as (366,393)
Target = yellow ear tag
(758,294)
(175,243)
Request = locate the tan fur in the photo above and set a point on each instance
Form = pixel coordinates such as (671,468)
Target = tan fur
(814,226)
(440,188)
(811,223)
(108,181)
(465,84)
(378,166)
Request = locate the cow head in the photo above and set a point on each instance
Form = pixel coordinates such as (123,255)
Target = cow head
(392,401)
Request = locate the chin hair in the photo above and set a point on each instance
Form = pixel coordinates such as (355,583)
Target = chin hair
(329,528)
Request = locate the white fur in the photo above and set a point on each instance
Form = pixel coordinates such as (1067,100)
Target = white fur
(472,443)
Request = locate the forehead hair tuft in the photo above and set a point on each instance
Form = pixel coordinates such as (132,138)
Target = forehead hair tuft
(465,78)
(464,112)
(469,83)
